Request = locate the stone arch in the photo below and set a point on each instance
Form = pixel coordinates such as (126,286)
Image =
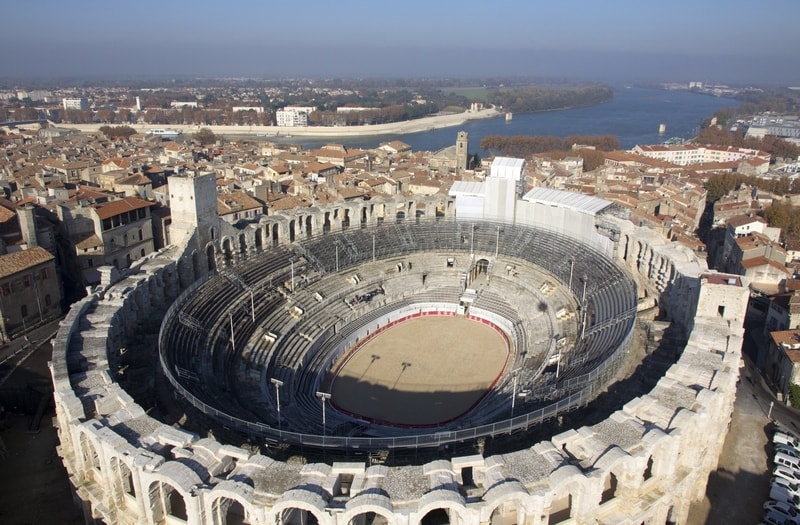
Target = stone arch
(326,223)
(275,234)
(609,488)
(229,511)
(211,257)
(346,216)
(123,483)
(91,458)
(309,225)
(292,231)
(196,264)
(300,507)
(568,496)
(258,239)
(442,505)
(242,244)
(369,508)
(508,510)
(227,250)
(165,501)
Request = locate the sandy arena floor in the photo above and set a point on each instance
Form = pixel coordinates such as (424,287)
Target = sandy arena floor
(403,376)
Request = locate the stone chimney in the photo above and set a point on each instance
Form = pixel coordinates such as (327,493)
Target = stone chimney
(27,224)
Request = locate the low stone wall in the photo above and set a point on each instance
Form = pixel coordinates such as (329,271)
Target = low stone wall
(644,464)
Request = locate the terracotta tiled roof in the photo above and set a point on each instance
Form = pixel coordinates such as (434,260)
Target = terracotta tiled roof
(18,261)
(110,209)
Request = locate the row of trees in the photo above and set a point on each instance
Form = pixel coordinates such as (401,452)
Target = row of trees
(393,113)
(719,185)
(531,99)
(784,216)
(526,145)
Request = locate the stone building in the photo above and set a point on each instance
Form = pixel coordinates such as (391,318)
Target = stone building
(30,290)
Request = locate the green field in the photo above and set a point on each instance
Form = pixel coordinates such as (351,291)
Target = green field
(475,93)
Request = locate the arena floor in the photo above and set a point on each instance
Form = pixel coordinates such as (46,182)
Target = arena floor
(422,371)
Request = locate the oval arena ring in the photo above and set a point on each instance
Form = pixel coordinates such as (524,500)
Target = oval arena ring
(402,334)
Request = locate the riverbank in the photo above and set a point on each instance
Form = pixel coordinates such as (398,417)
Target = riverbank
(392,128)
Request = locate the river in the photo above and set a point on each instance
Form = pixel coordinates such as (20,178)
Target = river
(633,116)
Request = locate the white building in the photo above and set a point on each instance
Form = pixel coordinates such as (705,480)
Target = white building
(257,109)
(685,154)
(75,103)
(293,116)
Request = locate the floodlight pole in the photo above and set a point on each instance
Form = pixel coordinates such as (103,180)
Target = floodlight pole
(571,267)
(252,305)
(233,340)
(514,391)
(278,384)
(472,242)
(373,247)
(324,397)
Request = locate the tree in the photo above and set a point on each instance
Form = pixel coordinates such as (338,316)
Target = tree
(205,136)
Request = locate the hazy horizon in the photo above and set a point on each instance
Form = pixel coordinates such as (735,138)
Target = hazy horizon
(614,41)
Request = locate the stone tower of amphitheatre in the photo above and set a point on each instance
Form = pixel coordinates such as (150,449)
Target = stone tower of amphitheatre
(593,273)
(462,151)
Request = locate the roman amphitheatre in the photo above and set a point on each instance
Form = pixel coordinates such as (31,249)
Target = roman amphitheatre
(397,361)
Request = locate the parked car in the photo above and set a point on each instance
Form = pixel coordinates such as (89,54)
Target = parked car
(781,493)
(787,461)
(782,507)
(787,473)
(794,488)
(786,449)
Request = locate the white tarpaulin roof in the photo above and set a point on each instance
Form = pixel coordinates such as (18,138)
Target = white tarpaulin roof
(567,199)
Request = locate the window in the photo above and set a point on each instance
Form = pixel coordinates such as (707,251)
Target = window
(47,300)
(89,262)
(6,288)
(43,274)
(141,235)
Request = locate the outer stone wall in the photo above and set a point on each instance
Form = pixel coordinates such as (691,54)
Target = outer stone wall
(644,464)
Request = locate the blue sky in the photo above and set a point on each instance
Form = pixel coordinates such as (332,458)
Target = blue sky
(713,40)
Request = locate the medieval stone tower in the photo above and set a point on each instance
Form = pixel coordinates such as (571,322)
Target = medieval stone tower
(462,152)
(193,206)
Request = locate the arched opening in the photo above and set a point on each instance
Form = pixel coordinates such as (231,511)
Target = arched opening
(346,219)
(560,509)
(436,517)
(309,223)
(400,216)
(275,237)
(126,495)
(196,265)
(166,502)
(369,518)
(363,217)
(227,250)
(90,458)
(292,235)
(210,257)
(506,514)
(258,240)
(242,244)
(295,516)
(609,489)
(326,225)
(227,511)
(648,470)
